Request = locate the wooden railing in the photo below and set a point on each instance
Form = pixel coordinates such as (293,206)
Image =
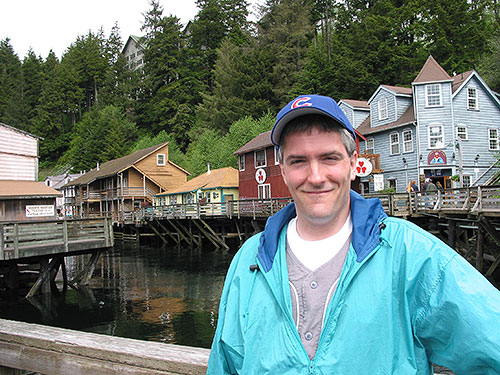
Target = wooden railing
(25,239)
(57,351)
(115,193)
(477,200)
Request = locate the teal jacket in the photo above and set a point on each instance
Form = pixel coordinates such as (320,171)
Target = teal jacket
(404,300)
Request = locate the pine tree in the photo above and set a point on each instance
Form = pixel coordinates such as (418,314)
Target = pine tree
(31,88)
(11,105)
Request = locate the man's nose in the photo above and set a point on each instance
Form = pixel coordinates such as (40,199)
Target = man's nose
(316,176)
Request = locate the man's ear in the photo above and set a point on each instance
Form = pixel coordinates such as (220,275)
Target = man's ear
(354,162)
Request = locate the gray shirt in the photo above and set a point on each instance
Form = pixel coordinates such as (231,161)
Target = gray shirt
(311,292)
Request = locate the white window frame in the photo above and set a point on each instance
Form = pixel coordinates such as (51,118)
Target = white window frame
(407,143)
(382,109)
(264,191)
(493,140)
(465,133)
(158,160)
(255,158)
(241,162)
(430,96)
(472,100)
(430,136)
(467,180)
(395,143)
(367,144)
(276,156)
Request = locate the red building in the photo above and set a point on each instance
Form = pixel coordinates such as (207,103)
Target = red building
(260,173)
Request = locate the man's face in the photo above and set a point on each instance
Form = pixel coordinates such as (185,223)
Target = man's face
(318,172)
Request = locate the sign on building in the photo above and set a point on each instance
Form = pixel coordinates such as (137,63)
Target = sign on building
(378,182)
(40,210)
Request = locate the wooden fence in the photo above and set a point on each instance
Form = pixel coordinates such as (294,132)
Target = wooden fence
(58,351)
(38,238)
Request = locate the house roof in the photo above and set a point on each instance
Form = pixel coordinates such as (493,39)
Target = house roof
(263,140)
(19,131)
(136,39)
(15,189)
(115,166)
(58,181)
(360,104)
(432,72)
(224,177)
(459,79)
(408,117)
(399,89)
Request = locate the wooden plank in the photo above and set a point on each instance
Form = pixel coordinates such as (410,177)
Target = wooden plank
(59,351)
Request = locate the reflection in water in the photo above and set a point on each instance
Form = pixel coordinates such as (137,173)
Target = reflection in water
(146,292)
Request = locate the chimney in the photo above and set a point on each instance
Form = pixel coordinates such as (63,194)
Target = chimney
(97,166)
(208,168)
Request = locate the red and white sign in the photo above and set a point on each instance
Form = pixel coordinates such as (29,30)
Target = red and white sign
(364,167)
(40,210)
(260,176)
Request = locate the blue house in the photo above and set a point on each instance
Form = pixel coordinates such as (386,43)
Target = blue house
(441,127)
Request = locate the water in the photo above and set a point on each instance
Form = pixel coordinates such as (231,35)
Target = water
(147,292)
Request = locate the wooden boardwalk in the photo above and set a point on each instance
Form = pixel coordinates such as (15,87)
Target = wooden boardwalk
(47,243)
(466,201)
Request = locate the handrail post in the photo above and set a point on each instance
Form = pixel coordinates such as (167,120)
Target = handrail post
(2,251)
(65,235)
(16,240)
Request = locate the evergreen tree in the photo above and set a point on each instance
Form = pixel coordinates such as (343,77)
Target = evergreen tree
(31,88)
(11,105)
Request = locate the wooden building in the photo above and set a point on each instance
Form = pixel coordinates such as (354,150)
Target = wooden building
(18,154)
(27,201)
(133,51)
(441,127)
(260,173)
(213,186)
(124,185)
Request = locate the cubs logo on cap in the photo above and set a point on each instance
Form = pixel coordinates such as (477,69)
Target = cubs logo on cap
(306,105)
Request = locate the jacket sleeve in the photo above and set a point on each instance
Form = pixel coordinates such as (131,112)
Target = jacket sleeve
(221,355)
(459,325)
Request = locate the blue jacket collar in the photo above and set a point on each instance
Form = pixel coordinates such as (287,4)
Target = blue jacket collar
(366,216)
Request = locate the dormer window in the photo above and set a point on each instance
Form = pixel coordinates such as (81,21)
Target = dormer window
(433,95)
(382,109)
(472,102)
(160,159)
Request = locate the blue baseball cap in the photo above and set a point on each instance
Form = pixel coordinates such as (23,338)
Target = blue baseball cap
(307,105)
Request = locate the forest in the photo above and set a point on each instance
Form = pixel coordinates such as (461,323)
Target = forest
(210,86)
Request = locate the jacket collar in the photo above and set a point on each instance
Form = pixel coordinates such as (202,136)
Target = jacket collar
(366,215)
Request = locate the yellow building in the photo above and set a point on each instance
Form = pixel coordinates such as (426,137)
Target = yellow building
(216,186)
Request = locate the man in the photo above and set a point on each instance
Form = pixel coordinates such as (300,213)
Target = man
(430,185)
(334,286)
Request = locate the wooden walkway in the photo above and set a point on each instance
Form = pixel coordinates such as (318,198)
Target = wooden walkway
(467,201)
(47,243)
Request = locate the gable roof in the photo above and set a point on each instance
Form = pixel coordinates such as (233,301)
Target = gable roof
(19,131)
(263,140)
(432,72)
(136,39)
(407,118)
(223,177)
(115,166)
(358,104)
(396,90)
(15,189)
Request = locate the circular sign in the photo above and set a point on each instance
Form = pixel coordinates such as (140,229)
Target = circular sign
(364,167)
(260,176)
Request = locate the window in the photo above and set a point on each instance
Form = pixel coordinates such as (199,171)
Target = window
(462,132)
(467,180)
(472,98)
(260,158)
(241,162)
(493,139)
(160,159)
(433,95)
(276,158)
(436,136)
(382,109)
(392,183)
(264,191)
(370,146)
(394,140)
(407,141)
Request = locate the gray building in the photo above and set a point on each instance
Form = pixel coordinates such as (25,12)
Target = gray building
(442,127)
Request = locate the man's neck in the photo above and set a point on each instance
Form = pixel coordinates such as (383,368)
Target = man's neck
(314,231)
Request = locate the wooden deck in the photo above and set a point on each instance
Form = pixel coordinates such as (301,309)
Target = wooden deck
(467,201)
(40,238)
